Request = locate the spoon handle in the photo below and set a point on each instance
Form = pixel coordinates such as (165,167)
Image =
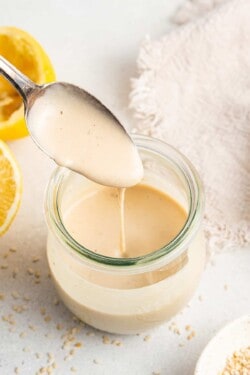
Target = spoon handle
(21,82)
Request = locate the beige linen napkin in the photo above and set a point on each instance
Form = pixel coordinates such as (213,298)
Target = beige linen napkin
(193,90)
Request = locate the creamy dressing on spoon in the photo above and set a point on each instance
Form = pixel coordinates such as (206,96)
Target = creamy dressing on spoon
(75,130)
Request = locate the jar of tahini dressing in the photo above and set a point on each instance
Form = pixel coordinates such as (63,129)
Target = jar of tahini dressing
(131,282)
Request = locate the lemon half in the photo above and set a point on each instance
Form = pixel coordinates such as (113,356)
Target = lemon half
(24,52)
(10,187)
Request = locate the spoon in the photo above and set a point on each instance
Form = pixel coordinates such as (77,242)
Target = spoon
(76,130)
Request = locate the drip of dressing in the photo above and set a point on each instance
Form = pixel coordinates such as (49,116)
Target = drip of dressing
(121,193)
(79,134)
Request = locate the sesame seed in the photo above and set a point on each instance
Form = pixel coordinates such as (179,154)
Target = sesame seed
(91,334)
(56,301)
(78,344)
(147,338)
(105,340)
(30,271)
(15,294)
(59,326)
(32,327)
(191,335)
(15,272)
(42,310)
(47,318)
(19,308)
(238,363)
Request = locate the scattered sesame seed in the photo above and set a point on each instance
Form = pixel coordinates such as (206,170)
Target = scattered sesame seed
(50,357)
(35,259)
(12,250)
(30,271)
(15,294)
(15,272)
(225,287)
(2,296)
(200,298)
(188,328)
(95,361)
(147,338)
(78,345)
(37,274)
(38,355)
(176,331)
(56,301)
(19,308)
(105,340)
(91,334)
(191,335)
(16,370)
(9,319)
(22,335)
(73,369)
(59,326)
(4,266)
(47,318)
(32,327)
(42,310)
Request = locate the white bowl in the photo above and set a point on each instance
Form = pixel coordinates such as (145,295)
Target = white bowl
(234,336)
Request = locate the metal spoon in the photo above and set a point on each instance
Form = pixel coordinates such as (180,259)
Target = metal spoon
(110,154)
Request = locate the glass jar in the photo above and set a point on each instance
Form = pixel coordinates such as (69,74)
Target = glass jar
(123,295)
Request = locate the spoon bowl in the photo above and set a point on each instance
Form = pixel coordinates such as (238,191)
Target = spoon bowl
(76,130)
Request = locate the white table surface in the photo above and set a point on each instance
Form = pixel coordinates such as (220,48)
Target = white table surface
(94,44)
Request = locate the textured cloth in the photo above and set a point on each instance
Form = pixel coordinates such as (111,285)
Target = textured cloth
(193,91)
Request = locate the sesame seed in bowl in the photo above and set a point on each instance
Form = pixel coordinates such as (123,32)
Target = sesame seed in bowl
(228,352)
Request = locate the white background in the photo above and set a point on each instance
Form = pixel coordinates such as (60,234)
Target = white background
(94,44)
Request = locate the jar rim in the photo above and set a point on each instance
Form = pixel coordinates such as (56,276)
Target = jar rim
(172,249)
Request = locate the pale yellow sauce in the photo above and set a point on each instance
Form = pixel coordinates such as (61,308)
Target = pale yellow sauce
(149,220)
